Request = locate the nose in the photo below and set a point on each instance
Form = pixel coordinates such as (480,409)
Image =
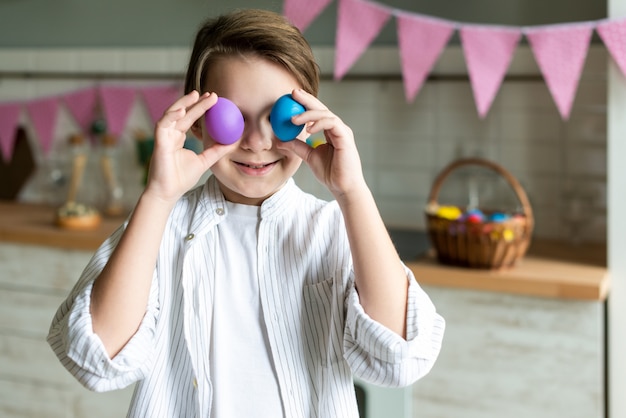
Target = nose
(257,136)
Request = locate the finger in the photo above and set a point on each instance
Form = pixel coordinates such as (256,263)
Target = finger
(312,116)
(308,100)
(316,111)
(300,148)
(189,108)
(198,109)
(183,102)
(214,153)
(329,124)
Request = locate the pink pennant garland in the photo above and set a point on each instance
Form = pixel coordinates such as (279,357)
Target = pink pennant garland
(82,105)
(421,41)
(560,52)
(358,23)
(117,103)
(613,34)
(43,114)
(159,98)
(303,12)
(488,52)
(9,120)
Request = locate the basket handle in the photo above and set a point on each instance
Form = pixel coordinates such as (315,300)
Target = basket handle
(517,187)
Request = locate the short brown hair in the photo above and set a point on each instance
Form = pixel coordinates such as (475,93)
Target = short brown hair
(255,32)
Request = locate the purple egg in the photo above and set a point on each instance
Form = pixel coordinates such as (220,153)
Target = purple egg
(224,122)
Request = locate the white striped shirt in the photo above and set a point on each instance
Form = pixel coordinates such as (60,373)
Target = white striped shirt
(318,332)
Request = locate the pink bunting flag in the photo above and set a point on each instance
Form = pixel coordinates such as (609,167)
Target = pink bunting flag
(358,23)
(613,34)
(303,12)
(560,52)
(117,103)
(43,114)
(9,119)
(82,106)
(488,51)
(159,98)
(421,41)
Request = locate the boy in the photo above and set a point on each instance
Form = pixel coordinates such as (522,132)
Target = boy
(246,296)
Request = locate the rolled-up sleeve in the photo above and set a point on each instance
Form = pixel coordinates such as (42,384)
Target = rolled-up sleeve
(81,351)
(380,356)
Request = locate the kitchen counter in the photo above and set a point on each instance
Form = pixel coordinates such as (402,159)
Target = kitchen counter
(534,275)
(550,269)
(34,224)
(510,335)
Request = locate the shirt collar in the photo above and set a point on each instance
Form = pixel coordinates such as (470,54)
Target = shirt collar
(213,202)
(281,202)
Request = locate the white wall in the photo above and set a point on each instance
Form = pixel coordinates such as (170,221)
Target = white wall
(616,232)
(403,146)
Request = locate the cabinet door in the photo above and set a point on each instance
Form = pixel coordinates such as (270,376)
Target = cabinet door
(33,383)
(515,357)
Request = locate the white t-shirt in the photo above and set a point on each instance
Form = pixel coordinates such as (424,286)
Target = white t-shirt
(242,371)
(319,333)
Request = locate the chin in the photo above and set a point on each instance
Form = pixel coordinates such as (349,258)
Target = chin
(250,192)
(247,196)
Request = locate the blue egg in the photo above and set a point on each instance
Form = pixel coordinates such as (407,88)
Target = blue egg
(498,217)
(280,118)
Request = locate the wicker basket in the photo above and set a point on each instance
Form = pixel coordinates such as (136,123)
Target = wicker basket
(485,244)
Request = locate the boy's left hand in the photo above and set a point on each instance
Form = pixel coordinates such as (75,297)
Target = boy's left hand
(335,163)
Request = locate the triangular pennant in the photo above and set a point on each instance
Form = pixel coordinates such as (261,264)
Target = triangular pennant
(421,41)
(560,52)
(43,114)
(488,51)
(159,98)
(117,103)
(82,106)
(9,119)
(613,34)
(303,12)
(358,23)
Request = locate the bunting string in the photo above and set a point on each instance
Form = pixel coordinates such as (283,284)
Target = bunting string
(113,103)
(560,50)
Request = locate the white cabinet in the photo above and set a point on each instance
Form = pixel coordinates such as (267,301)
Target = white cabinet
(33,383)
(503,355)
(515,357)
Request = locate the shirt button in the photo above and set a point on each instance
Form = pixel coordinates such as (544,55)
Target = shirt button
(195,383)
(189,237)
(219,211)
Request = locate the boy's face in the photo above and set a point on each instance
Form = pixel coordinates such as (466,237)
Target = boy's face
(255,169)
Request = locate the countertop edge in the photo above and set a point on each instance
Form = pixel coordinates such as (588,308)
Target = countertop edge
(560,280)
(534,275)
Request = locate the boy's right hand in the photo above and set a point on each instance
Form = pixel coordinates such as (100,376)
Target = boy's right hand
(173,168)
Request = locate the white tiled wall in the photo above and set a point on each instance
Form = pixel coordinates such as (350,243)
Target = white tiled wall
(403,146)
(561,164)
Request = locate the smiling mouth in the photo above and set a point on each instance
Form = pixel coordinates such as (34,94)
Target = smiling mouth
(255,166)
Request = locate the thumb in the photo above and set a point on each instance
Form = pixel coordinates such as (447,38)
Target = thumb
(298,147)
(214,153)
